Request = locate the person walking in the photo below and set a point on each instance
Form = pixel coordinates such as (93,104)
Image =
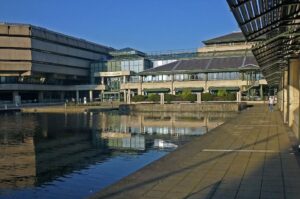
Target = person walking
(271,103)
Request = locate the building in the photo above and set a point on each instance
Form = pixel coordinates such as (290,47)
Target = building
(37,64)
(224,63)
(123,67)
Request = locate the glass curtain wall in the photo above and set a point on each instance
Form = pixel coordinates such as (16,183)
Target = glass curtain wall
(224,76)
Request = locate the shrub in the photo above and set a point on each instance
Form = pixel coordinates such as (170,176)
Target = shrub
(187,95)
(207,97)
(169,98)
(154,97)
(222,93)
(191,97)
(139,98)
(230,97)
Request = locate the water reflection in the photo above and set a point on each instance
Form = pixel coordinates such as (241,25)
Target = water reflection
(44,155)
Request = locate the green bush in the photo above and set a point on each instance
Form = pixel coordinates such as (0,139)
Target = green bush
(230,97)
(221,93)
(169,98)
(154,98)
(187,95)
(218,97)
(139,98)
(207,97)
(192,97)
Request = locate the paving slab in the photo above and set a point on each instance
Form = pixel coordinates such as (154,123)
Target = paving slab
(249,156)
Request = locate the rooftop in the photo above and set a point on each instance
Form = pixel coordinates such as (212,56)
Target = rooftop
(40,32)
(127,52)
(228,38)
(233,63)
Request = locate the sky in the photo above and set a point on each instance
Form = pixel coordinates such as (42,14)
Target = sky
(146,25)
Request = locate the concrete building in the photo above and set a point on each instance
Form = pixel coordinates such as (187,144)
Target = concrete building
(39,64)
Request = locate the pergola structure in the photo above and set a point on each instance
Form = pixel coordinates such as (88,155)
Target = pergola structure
(278,23)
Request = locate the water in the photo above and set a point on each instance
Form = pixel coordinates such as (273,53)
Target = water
(75,155)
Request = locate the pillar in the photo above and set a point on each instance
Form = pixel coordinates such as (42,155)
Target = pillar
(102,80)
(91,96)
(162,98)
(293,100)
(285,96)
(124,79)
(41,96)
(173,92)
(238,96)
(199,100)
(125,96)
(77,96)
(129,97)
(261,92)
(16,97)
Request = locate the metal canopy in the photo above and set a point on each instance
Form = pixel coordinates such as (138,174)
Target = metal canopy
(279,22)
(212,88)
(258,17)
(156,90)
(192,89)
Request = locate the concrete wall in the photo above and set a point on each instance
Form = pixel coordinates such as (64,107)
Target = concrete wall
(47,51)
(185,84)
(204,107)
(40,87)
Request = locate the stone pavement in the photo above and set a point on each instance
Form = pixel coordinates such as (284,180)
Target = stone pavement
(248,157)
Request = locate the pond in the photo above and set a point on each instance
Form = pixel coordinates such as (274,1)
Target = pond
(76,155)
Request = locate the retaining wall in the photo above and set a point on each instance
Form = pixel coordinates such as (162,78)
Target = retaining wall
(203,107)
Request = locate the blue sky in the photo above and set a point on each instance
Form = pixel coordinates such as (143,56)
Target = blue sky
(147,25)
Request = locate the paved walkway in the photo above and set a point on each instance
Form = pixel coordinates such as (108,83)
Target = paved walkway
(248,157)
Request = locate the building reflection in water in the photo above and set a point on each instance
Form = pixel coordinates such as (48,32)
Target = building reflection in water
(39,148)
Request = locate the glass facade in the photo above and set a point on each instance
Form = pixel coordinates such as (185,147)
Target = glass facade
(157,78)
(223,76)
(201,77)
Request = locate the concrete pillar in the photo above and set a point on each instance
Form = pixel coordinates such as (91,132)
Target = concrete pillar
(124,79)
(102,80)
(285,96)
(129,97)
(140,89)
(172,85)
(91,96)
(16,97)
(261,92)
(238,96)
(293,100)
(77,96)
(41,96)
(162,98)
(199,100)
(125,96)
